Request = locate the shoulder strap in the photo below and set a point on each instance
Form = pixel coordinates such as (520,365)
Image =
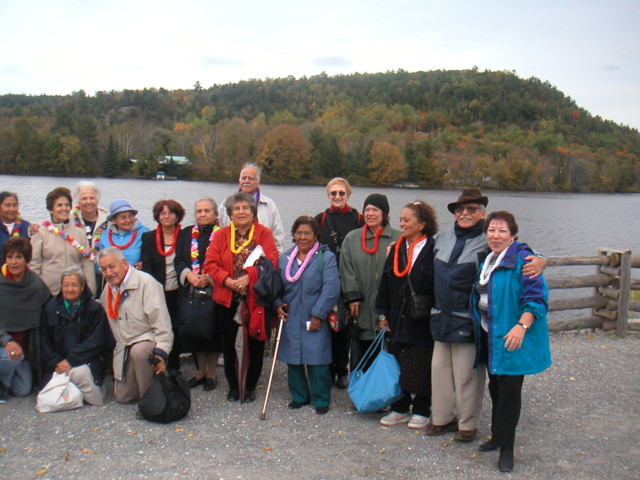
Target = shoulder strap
(322,220)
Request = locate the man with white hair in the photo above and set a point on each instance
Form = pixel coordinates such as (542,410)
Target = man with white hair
(268,214)
(140,322)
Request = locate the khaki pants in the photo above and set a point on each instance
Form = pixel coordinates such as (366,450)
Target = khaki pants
(137,373)
(82,378)
(456,385)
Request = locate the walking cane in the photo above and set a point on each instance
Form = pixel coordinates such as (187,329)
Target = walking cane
(263,414)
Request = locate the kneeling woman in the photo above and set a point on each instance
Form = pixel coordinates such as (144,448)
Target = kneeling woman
(74,336)
(311,288)
(509,312)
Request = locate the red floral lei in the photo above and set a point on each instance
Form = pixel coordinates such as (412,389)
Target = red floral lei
(159,242)
(396,257)
(376,240)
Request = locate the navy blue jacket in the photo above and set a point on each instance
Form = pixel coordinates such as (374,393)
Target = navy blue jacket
(5,235)
(81,339)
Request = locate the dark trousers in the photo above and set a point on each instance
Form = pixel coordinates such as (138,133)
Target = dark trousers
(340,353)
(415,377)
(506,401)
(229,329)
(171,298)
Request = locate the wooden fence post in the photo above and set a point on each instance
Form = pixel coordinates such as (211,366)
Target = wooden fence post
(623,300)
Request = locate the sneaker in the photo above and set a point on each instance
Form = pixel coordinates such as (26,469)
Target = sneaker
(418,422)
(395,418)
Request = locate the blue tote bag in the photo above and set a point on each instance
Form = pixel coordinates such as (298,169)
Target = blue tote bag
(378,386)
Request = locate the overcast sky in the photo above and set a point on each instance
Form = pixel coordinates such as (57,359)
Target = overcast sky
(588,49)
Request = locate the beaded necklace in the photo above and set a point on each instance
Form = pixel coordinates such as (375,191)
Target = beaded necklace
(292,257)
(376,240)
(236,250)
(159,241)
(195,251)
(396,258)
(68,238)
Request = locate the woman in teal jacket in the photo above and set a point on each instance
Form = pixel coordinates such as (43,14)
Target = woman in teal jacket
(512,336)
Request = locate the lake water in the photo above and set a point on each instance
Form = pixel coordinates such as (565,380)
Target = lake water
(556,224)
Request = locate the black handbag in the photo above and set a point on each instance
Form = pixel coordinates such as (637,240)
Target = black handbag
(419,304)
(168,398)
(196,317)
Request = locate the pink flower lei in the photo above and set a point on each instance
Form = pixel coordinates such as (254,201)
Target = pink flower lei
(68,238)
(292,257)
(195,252)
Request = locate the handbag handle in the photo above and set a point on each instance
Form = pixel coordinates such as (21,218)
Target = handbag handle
(378,343)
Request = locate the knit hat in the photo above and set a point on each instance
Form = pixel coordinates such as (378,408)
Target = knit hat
(377,200)
(118,206)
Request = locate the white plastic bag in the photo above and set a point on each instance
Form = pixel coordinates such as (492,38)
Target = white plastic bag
(59,395)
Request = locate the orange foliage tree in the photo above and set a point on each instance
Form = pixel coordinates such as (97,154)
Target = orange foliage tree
(284,154)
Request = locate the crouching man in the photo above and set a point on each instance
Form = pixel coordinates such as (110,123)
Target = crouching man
(140,322)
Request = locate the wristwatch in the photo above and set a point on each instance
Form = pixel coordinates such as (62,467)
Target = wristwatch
(382,318)
(526,327)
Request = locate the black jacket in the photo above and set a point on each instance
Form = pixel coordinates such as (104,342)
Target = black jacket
(334,226)
(81,339)
(394,295)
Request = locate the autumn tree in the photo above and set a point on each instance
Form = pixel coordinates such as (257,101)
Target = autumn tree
(234,146)
(284,154)
(386,163)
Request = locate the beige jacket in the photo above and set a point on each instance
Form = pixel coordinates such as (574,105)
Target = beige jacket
(142,316)
(53,254)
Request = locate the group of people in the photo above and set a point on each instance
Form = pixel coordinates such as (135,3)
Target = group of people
(88,286)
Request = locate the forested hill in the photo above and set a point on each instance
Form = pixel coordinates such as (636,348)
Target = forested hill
(435,129)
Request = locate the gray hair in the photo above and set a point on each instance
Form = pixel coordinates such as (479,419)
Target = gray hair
(85,184)
(115,251)
(213,203)
(255,166)
(238,197)
(74,270)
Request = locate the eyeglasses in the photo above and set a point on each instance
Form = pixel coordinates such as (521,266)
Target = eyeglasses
(468,208)
(340,193)
(303,234)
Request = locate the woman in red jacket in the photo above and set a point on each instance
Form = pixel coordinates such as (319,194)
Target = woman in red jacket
(225,264)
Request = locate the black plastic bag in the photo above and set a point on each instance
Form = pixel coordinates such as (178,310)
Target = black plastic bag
(168,398)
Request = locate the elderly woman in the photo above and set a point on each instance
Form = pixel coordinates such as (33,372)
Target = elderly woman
(193,242)
(124,232)
(408,272)
(335,223)
(59,244)
(512,336)
(311,289)
(225,264)
(22,298)
(87,214)
(364,252)
(158,253)
(74,336)
(11,224)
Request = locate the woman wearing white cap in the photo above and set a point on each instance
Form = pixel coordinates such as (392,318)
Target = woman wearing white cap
(124,232)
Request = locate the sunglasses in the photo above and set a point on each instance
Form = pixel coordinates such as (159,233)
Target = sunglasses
(338,194)
(470,209)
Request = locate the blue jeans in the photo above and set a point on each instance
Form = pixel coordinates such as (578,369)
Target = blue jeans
(15,374)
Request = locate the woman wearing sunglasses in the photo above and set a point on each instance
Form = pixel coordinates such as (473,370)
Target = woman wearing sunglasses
(335,222)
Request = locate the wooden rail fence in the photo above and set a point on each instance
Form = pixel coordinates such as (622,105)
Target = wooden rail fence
(610,301)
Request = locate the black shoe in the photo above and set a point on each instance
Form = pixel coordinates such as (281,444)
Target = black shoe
(4,393)
(233,396)
(505,462)
(489,446)
(322,410)
(343,382)
(296,405)
(210,384)
(250,396)
(194,382)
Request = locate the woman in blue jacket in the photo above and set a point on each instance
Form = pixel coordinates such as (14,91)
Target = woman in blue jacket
(512,336)
(311,288)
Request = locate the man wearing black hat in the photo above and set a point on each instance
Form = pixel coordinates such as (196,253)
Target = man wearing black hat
(455,384)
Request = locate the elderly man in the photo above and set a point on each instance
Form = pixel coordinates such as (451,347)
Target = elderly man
(140,323)
(455,384)
(268,214)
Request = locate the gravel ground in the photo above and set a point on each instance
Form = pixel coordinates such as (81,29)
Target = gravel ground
(580,420)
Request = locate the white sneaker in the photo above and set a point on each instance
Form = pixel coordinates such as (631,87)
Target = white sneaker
(395,418)
(418,422)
